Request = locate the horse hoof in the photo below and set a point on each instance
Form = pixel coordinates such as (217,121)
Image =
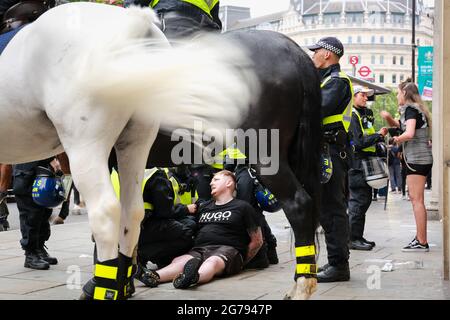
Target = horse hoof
(305,287)
(290,293)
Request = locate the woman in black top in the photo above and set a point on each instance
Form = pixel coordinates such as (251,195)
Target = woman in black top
(415,121)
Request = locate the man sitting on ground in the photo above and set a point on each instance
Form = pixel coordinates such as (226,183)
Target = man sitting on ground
(228,238)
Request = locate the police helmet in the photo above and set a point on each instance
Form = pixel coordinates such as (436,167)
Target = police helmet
(48,190)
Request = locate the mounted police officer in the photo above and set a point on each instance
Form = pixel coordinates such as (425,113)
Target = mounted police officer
(184,18)
(364,140)
(336,114)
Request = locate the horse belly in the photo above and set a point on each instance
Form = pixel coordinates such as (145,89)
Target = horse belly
(27,137)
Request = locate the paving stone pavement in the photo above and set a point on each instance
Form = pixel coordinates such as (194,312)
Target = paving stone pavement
(390,229)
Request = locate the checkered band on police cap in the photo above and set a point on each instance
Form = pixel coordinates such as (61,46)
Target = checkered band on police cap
(331,44)
(329,47)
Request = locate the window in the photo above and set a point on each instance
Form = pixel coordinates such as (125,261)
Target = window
(377,17)
(382,39)
(350,40)
(394,60)
(331,19)
(381,78)
(372,40)
(402,78)
(359,40)
(355,18)
(394,40)
(381,59)
(402,61)
(402,40)
(398,18)
(394,78)
(373,59)
(418,42)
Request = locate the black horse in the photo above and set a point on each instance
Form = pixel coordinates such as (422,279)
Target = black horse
(290,102)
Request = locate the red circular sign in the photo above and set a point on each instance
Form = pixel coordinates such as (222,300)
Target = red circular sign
(364,71)
(354,60)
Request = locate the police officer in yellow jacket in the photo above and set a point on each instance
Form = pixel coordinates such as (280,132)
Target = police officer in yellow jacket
(336,114)
(364,140)
(169,225)
(184,18)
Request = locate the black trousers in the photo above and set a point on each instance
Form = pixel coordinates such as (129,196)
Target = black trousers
(34,224)
(358,203)
(161,240)
(333,213)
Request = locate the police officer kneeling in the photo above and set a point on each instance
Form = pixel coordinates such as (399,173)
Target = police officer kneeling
(364,140)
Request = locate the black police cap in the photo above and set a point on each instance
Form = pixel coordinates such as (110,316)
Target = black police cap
(329,43)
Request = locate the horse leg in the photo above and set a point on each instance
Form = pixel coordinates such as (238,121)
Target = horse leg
(297,205)
(132,149)
(92,178)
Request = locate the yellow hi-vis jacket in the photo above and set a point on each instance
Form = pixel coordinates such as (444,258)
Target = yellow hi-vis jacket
(184,198)
(346,117)
(205,5)
(366,132)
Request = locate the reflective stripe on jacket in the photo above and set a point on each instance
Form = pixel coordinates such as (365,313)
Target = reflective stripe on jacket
(346,117)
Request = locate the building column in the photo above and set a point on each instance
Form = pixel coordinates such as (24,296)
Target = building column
(441,100)
(433,205)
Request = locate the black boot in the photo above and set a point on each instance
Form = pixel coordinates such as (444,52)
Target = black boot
(148,277)
(272,254)
(334,273)
(372,243)
(43,254)
(34,261)
(358,244)
(104,285)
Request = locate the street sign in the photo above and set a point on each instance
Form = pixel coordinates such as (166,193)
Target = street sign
(425,78)
(354,60)
(364,71)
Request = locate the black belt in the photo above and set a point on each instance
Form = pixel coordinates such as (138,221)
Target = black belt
(338,137)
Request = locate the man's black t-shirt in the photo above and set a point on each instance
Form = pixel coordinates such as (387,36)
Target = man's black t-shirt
(226,224)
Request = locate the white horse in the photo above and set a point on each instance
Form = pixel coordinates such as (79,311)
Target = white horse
(81,79)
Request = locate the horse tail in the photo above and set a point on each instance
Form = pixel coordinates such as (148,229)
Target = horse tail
(305,159)
(209,80)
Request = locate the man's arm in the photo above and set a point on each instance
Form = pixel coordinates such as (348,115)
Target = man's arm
(256,241)
(360,141)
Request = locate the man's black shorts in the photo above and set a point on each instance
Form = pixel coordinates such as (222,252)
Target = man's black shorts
(232,258)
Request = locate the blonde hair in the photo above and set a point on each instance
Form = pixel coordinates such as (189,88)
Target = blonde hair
(412,95)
